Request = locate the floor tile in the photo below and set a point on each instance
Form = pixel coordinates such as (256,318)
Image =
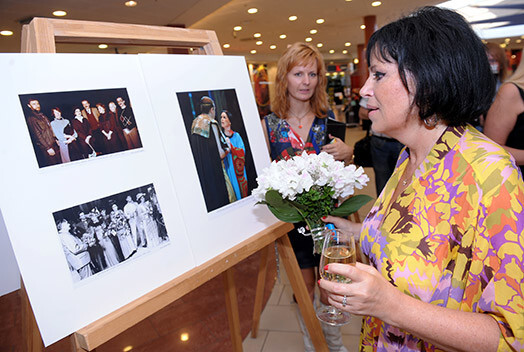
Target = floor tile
(255,345)
(283,342)
(279,318)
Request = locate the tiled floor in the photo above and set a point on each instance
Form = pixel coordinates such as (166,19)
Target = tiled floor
(279,329)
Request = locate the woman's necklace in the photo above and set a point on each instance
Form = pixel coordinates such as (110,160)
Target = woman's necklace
(300,118)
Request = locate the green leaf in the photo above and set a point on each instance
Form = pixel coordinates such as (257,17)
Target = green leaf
(351,205)
(282,208)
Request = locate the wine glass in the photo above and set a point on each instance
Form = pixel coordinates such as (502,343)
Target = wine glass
(338,248)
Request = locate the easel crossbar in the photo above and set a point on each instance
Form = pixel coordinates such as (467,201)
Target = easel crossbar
(104,329)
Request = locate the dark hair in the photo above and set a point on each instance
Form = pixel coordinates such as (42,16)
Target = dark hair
(206,103)
(446,60)
(229,115)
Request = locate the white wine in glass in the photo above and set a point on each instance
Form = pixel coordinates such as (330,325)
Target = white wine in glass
(338,248)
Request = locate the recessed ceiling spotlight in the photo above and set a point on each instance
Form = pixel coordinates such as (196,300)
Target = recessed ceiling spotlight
(252,10)
(292,18)
(131,3)
(184,337)
(308,39)
(332,51)
(320,45)
(503,45)
(259,42)
(253,51)
(348,0)
(237,28)
(347,44)
(272,47)
(59,13)
(313,31)
(362,26)
(102,46)
(376,3)
(226,46)
(320,20)
(283,36)
(344,51)
(507,40)
(518,41)
(6,33)
(257,35)
(355,61)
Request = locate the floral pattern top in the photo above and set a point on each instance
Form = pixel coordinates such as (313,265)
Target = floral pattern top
(453,238)
(284,143)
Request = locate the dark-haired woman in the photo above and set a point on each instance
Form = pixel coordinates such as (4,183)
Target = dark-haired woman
(109,137)
(235,160)
(445,237)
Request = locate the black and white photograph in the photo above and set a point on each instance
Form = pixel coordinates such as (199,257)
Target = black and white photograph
(76,125)
(98,235)
(220,147)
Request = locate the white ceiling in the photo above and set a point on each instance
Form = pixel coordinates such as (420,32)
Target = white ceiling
(342,21)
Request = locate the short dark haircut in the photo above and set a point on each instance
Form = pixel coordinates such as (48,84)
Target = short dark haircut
(446,60)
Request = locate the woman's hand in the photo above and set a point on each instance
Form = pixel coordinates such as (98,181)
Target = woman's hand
(369,293)
(344,225)
(340,150)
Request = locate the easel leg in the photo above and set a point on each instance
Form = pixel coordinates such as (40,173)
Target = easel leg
(259,296)
(232,309)
(299,289)
(31,334)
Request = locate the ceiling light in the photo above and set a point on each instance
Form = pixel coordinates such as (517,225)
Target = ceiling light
(283,36)
(237,28)
(513,56)
(332,51)
(272,47)
(507,40)
(184,336)
(308,39)
(252,10)
(127,348)
(320,45)
(355,61)
(344,51)
(226,46)
(257,35)
(6,33)
(348,0)
(59,13)
(313,31)
(376,3)
(102,46)
(293,18)
(518,41)
(503,45)
(362,26)
(320,21)
(259,42)
(131,3)
(253,51)
(347,44)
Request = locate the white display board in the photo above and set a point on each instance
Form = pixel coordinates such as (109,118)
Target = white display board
(37,195)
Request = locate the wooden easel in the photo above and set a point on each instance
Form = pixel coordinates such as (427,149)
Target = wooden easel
(40,36)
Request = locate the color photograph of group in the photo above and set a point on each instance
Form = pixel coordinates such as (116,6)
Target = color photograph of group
(70,126)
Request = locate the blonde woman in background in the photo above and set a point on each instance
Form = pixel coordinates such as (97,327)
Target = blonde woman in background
(505,119)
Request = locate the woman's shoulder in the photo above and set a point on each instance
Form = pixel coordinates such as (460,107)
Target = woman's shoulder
(484,155)
(272,117)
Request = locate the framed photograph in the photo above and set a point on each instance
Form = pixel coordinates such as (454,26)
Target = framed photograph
(221,151)
(70,126)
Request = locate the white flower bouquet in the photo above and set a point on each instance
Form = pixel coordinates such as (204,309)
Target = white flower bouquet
(308,187)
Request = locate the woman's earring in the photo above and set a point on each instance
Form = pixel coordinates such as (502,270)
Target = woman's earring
(431,121)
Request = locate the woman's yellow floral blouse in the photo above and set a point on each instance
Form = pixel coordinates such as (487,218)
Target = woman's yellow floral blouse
(453,238)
